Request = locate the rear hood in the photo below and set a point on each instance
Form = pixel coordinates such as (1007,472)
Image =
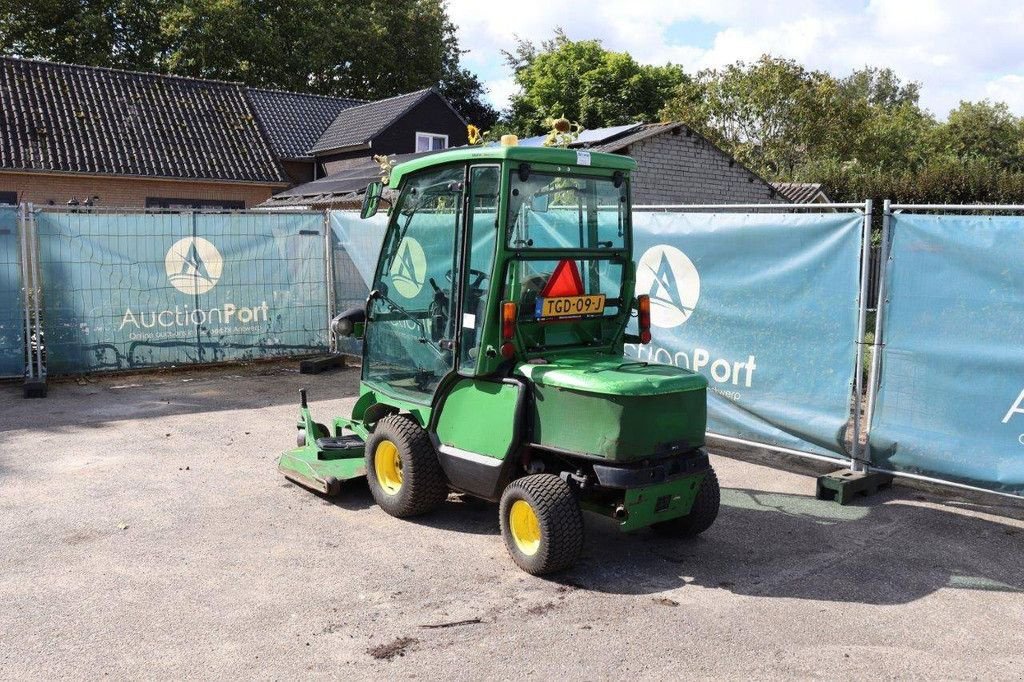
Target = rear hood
(612,376)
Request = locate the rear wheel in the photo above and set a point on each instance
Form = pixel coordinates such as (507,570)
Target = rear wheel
(541,523)
(402,468)
(702,514)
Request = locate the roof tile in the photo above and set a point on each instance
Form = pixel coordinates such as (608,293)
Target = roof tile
(360,124)
(60,117)
(294,121)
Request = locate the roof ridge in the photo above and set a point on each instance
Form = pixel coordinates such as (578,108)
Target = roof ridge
(384,119)
(308,94)
(155,74)
(388,99)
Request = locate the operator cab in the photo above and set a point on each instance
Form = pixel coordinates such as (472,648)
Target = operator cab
(471,239)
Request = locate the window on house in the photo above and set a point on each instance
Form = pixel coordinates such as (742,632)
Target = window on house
(8,198)
(430,142)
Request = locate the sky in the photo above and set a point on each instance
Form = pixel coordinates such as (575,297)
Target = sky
(957,49)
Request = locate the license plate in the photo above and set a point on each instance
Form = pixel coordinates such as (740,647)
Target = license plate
(569,306)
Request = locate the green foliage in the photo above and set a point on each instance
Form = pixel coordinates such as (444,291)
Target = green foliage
(582,81)
(862,136)
(774,115)
(367,49)
(982,130)
(118,33)
(941,180)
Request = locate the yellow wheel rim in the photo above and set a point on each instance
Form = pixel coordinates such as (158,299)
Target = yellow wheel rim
(388,467)
(525,527)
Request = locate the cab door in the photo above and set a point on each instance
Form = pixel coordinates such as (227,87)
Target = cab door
(478,423)
(411,315)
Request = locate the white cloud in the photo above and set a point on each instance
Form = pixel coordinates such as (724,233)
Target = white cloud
(1009,89)
(957,50)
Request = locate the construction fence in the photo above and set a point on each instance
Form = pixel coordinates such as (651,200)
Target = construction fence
(770,303)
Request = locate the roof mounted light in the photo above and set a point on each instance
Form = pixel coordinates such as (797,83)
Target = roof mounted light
(509,140)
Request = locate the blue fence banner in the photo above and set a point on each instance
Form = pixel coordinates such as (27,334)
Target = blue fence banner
(125,290)
(765,306)
(12,302)
(951,399)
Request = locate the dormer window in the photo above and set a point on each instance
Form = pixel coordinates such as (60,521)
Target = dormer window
(430,142)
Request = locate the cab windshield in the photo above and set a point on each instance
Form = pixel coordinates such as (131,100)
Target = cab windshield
(549,211)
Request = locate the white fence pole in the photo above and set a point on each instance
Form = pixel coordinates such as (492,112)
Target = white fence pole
(856,461)
(332,303)
(876,346)
(37,290)
(26,283)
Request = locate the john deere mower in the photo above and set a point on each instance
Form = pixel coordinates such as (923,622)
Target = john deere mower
(493,359)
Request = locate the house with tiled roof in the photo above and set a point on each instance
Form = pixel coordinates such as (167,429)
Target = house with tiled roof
(293,122)
(677,165)
(82,135)
(416,122)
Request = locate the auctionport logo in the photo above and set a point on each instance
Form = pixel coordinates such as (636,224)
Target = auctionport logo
(193,265)
(410,269)
(1017,408)
(670,278)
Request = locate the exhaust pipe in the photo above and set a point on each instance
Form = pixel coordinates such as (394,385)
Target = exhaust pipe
(620,512)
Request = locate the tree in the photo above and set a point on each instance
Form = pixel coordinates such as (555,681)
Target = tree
(763,113)
(982,129)
(776,116)
(585,83)
(370,49)
(116,33)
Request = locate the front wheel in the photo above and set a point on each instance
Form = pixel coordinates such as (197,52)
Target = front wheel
(702,514)
(541,523)
(402,468)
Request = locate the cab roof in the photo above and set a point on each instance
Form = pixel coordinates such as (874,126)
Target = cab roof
(549,155)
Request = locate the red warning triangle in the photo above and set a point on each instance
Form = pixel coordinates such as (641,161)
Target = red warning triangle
(564,281)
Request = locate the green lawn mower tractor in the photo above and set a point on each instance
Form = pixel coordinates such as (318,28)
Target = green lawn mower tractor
(493,359)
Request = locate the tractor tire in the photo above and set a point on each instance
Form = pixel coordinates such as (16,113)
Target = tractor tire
(702,514)
(541,523)
(402,468)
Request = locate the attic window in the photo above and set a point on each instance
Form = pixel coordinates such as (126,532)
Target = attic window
(430,142)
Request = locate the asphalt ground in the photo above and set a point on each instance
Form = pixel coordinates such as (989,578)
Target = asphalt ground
(145,533)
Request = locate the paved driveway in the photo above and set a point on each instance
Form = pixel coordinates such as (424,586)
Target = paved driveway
(145,532)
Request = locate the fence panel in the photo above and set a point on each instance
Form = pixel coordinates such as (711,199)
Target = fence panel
(357,245)
(765,305)
(12,302)
(950,403)
(134,290)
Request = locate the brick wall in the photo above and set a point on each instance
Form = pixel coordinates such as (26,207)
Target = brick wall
(125,192)
(673,168)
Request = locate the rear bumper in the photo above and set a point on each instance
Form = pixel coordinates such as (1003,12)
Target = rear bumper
(626,476)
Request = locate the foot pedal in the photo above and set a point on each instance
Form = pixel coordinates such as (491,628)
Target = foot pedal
(339,443)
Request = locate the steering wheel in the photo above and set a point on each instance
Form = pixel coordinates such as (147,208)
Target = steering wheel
(480,277)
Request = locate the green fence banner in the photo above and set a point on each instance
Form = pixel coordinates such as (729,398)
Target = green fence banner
(127,291)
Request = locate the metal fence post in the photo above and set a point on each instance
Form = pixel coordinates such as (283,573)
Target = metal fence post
(37,291)
(876,348)
(332,303)
(856,463)
(26,283)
